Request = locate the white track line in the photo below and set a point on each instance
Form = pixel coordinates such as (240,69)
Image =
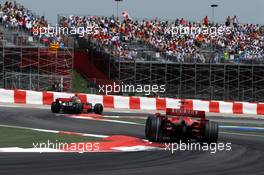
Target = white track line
(243,128)
(55,131)
(29,150)
(25,106)
(104,120)
(239,134)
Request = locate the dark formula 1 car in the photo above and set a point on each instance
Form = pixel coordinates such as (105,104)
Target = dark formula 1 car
(75,106)
(181,124)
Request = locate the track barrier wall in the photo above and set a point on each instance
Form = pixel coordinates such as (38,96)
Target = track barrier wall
(139,103)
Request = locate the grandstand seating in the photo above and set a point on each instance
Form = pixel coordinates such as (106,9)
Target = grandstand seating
(243,44)
(27,61)
(147,42)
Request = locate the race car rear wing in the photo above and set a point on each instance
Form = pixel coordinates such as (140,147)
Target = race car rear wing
(185,112)
(64,99)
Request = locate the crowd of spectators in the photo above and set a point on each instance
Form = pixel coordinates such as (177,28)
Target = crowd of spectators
(16,17)
(242,42)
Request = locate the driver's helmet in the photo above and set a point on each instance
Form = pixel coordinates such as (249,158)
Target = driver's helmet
(76,99)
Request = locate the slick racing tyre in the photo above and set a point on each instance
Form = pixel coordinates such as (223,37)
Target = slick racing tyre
(154,129)
(211,132)
(55,107)
(78,108)
(147,126)
(98,108)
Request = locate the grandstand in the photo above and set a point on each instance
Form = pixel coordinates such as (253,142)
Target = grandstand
(27,62)
(218,81)
(137,52)
(228,67)
(237,43)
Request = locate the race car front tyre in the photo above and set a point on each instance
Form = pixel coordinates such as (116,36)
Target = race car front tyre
(154,129)
(98,108)
(211,132)
(55,107)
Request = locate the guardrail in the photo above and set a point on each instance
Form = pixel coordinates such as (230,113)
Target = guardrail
(139,103)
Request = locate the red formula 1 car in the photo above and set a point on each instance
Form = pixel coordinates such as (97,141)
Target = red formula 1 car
(74,105)
(181,124)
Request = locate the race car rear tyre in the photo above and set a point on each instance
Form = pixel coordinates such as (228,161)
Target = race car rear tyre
(55,108)
(211,132)
(98,108)
(154,132)
(78,108)
(147,126)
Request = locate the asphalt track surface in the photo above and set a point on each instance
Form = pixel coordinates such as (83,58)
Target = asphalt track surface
(246,157)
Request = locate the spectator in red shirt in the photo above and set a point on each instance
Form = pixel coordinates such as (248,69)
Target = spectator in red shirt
(206,21)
